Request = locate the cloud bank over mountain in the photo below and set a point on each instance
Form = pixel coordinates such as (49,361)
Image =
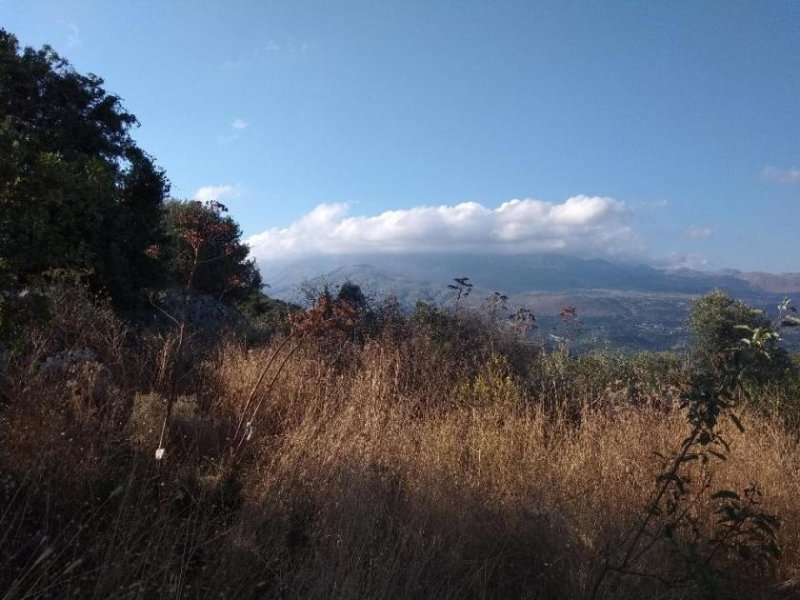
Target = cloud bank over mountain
(581,225)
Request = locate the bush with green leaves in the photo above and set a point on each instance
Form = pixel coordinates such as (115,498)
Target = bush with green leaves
(720,323)
(742,534)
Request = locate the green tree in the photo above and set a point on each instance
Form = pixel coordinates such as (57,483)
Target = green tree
(719,325)
(75,190)
(205,253)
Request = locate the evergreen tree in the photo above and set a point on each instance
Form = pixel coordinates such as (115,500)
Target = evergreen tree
(75,190)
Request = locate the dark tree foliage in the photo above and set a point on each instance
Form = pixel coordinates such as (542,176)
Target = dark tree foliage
(205,254)
(352,293)
(75,190)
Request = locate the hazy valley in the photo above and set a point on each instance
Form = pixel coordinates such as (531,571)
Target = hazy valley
(621,306)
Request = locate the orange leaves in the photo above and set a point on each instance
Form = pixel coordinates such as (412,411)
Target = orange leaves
(325,316)
(202,223)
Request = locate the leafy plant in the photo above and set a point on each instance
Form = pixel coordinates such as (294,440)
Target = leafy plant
(670,515)
(493,384)
(718,324)
(787,315)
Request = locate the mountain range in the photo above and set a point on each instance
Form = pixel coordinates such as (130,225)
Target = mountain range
(623,305)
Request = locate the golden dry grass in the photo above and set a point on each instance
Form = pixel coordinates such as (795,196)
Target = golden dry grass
(382,475)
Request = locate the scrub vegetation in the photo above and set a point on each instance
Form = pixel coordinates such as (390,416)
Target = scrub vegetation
(178,434)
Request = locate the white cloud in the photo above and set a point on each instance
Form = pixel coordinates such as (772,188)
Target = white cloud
(74,36)
(698,233)
(677,260)
(237,126)
(781,175)
(220,193)
(581,225)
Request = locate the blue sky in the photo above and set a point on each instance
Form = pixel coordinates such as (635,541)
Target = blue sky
(667,132)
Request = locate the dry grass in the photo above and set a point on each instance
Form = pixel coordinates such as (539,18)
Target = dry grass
(374,471)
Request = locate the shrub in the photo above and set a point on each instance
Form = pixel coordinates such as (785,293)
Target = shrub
(719,323)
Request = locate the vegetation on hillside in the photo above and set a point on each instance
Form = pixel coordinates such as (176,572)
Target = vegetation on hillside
(78,196)
(178,434)
(77,192)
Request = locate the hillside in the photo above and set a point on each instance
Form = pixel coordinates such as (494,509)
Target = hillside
(505,427)
(628,306)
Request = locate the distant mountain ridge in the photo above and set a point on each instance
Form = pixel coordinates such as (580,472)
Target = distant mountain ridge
(631,306)
(522,273)
(779,283)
